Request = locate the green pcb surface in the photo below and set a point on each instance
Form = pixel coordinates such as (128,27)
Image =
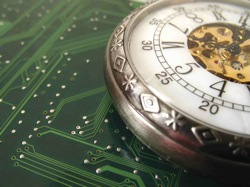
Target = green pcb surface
(58,126)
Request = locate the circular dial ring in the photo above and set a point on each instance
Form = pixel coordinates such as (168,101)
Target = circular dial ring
(154,118)
(219,90)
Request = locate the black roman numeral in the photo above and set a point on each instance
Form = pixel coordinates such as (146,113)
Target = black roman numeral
(184,31)
(218,15)
(171,45)
(243,19)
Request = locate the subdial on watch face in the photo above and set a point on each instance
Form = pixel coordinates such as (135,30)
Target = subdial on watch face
(223,49)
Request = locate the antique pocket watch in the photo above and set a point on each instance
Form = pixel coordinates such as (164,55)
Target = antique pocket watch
(179,75)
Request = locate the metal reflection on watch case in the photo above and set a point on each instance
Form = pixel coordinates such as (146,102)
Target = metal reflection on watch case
(179,75)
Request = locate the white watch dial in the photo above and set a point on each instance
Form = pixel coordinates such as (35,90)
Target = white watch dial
(196,58)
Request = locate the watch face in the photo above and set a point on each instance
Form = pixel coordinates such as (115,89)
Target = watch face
(179,75)
(196,57)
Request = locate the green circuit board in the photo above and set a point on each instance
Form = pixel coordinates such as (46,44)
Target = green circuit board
(58,126)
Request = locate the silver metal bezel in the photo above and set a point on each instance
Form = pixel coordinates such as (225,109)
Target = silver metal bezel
(132,24)
(184,146)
